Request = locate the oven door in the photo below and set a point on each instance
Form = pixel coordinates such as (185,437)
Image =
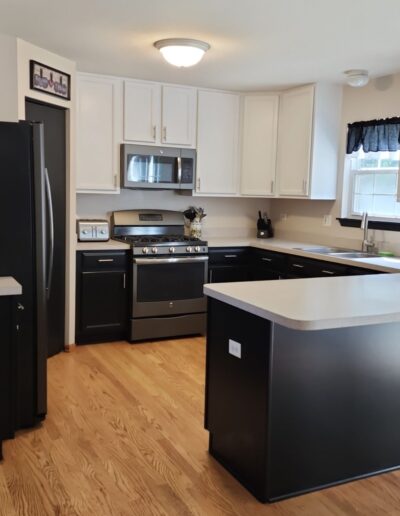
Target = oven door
(169,286)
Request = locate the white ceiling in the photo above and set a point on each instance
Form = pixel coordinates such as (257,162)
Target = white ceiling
(255,44)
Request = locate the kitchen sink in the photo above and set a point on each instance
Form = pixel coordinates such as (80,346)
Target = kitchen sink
(324,250)
(354,254)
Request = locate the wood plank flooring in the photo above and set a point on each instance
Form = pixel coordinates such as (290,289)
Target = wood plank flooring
(124,436)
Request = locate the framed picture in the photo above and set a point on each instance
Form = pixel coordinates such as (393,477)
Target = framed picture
(49,80)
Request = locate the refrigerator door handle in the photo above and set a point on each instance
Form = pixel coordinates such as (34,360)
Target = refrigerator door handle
(51,233)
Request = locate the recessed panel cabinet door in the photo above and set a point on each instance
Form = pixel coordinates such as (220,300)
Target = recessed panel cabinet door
(179,116)
(260,127)
(142,104)
(294,141)
(217,143)
(98,133)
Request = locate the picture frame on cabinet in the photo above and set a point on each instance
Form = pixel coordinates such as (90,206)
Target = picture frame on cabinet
(49,80)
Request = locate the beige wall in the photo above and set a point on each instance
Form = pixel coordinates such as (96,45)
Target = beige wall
(379,99)
(26,52)
(8,74)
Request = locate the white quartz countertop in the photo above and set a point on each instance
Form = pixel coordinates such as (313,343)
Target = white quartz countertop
(9,286)
(384,264)
(110,245)
(316,303)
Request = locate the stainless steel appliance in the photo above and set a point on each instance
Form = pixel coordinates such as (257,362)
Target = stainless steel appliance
(93,230)
(157,167)
(168,273)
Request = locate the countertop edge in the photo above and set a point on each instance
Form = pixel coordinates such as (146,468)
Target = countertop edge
(9,286)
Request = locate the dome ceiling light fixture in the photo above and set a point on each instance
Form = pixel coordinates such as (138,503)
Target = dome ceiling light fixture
(182,52)
(357,78)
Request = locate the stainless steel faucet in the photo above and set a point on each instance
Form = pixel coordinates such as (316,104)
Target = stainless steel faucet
(367,246)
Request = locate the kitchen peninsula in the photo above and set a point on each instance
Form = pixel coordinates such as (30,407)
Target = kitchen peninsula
(303,381)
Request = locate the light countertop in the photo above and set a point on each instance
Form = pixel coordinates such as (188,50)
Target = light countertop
(9,286)
(316,303)
(272,244)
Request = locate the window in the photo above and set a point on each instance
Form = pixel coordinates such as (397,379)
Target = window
(374,184)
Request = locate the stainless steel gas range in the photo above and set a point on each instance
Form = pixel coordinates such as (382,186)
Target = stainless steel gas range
(168,273)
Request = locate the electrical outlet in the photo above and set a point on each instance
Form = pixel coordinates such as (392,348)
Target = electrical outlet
(327,220)
(283,216)
(235,348)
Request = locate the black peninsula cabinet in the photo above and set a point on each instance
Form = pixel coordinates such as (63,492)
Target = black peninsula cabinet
(101,296)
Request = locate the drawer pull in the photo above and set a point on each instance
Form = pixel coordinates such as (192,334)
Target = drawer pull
(124,281)
(327,272)
(103,260)
(266,259)
(230,256)
(298,266)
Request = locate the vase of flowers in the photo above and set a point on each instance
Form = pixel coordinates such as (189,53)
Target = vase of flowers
(194,217)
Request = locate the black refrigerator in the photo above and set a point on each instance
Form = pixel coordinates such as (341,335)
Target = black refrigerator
(26,253)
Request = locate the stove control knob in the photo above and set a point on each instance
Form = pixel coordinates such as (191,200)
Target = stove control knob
(145,250)
(189,249)
(197,249)
(154,250)
(172,250)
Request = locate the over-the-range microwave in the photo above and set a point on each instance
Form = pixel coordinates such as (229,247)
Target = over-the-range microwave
(144,166)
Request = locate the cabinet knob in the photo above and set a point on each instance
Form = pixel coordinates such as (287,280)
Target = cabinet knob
(20,307)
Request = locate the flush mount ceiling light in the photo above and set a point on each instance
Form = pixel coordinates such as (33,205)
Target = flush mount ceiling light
(182,52)
(356,78)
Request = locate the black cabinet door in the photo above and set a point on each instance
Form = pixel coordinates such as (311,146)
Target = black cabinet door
(101,296)
(227,273)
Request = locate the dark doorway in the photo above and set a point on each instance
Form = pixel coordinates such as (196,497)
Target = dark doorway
(54,121)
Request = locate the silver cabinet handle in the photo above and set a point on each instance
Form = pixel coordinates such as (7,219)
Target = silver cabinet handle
(154,132)
(20,307)
(179,160)
(198,184)
(327,272)
(164,133)
(103,260)
(230,256)
(211,275)
(272,186)
(124,280)
(298,266)
(266,259)
(304,186)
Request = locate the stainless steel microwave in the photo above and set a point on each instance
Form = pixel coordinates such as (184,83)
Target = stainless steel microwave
(144,166)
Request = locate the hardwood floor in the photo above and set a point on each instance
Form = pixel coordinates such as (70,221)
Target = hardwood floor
(124,436)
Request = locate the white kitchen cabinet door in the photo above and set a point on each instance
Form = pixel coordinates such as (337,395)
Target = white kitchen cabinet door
(179,116)
(217,143)
(98,133)
(294,141)
(142,108)
(259,140)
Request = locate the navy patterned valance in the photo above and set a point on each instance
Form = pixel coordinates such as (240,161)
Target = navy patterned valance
(374,135)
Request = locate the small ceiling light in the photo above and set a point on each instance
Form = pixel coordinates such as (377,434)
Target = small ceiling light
(356,78)
(182,52)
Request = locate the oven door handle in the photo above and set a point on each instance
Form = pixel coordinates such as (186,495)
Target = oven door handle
(163,261)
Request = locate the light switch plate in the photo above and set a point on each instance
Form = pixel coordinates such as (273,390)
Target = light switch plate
(235,348)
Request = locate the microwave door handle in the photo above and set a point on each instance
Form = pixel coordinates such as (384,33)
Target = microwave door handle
(51,233)
(179,161)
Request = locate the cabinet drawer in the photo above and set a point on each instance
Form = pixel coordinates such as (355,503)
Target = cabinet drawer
(103,260)
(227,256)
(270,260)
(303,267)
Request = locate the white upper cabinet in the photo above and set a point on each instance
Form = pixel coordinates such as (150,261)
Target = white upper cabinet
(308,141)
(98,133)
(259,139)
(179,115)
(142,105)
(217,143)
(294,141)
(158,114)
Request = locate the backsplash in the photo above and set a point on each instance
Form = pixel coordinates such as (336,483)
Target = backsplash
(226,216)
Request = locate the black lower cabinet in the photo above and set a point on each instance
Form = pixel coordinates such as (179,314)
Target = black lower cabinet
(228,264)
(292,411)
(7,370)
(102,296)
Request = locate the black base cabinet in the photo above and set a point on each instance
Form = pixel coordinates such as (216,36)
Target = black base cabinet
(300,410)
(7,369)
(101,296)
(227,264)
